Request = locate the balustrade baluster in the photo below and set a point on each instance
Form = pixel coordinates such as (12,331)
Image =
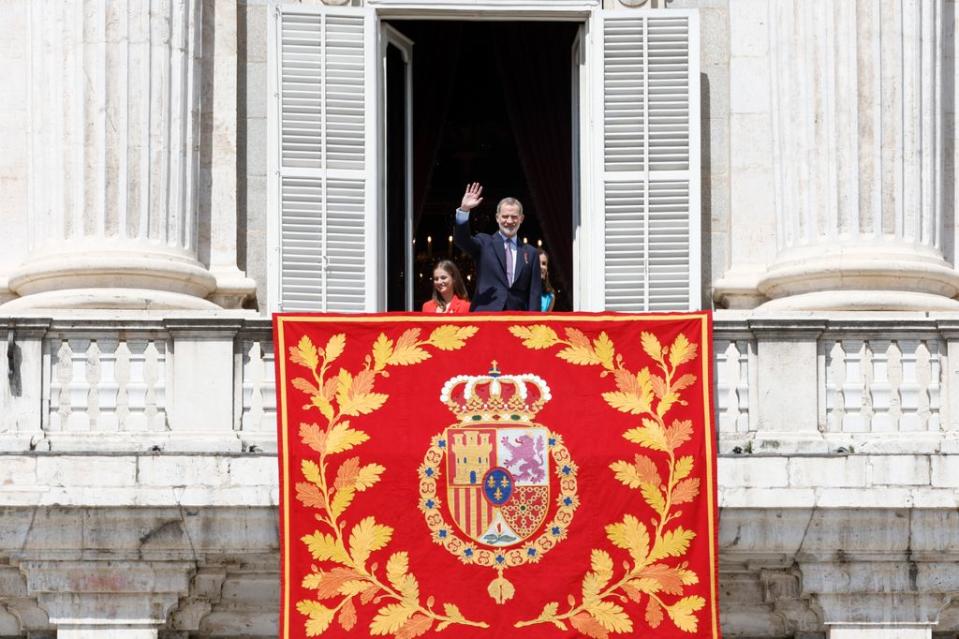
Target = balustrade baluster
(122,374)
(93,373)
(835,387)
(64,375)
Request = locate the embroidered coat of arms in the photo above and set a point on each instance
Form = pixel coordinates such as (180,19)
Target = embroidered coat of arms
(496,465)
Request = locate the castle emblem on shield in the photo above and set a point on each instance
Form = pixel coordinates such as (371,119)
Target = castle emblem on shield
(497,484)
(508,482)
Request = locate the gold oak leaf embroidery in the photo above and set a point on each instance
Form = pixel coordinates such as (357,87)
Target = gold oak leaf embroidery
(342,577)
(647,579)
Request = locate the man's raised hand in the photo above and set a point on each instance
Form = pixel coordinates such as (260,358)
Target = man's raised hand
(472,199)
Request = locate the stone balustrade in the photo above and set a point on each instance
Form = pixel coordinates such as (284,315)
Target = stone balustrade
(138,384)
(838,471)
(835,383)
(872,384)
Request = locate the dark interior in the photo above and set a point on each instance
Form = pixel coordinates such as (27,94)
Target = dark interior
(491,103)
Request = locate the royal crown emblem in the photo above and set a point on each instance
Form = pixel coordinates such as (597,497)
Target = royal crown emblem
(500,470)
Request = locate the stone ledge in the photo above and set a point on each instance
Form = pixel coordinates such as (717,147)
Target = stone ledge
(124,533)
(840,499)
(760,481)
(748,445)
(143,496)
(779,444)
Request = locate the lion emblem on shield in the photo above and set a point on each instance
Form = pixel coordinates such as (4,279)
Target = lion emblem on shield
(526,458)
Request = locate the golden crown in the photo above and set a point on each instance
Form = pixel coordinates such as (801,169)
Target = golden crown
(495,396)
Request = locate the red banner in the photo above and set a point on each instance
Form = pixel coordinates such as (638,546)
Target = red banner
(500,475)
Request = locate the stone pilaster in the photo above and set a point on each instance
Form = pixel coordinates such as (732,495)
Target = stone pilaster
(204,394)
(232,284)
(742,155)
(114,137)
(20,387)
(857,137)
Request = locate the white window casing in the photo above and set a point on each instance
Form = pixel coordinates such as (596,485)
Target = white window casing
(637,239)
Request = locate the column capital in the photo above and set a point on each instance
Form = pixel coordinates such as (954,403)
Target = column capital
(880,631)
(879,594)
(88,594)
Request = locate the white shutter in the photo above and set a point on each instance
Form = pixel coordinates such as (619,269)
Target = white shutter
(647,152)
(325,159)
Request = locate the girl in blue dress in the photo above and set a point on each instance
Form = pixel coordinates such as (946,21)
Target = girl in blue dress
(548,299)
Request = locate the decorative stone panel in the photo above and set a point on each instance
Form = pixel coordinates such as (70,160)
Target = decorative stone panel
(106,383)
(882,385)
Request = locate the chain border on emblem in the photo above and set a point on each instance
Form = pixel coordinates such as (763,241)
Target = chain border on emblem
(471,553)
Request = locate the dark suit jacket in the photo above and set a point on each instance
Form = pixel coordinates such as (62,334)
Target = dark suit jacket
(492,293)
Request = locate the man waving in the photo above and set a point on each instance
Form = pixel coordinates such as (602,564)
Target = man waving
(507,272)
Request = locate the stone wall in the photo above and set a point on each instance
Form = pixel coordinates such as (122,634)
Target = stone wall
(838,474)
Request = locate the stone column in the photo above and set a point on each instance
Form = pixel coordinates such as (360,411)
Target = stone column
(114,138)
(857,143)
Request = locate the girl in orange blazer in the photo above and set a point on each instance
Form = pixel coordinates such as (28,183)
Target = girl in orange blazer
(449,291)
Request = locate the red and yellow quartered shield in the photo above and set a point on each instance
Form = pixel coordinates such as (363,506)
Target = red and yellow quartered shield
(497,475)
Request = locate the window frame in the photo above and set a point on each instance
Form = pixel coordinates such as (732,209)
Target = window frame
(589,283)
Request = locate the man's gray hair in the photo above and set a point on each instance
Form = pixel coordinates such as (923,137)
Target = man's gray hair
(510,201)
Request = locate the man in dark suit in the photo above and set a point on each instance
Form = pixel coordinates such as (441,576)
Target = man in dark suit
(507,272)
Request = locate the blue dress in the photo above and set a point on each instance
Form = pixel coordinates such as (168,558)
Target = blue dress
(546,301)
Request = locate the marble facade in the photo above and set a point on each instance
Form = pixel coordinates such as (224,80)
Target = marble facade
(138,482)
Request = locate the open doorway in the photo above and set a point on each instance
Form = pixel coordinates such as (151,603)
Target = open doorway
(491,102)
